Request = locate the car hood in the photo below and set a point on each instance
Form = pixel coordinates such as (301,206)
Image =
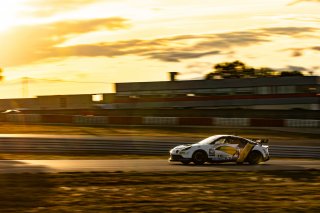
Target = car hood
(188,145)
(183,146)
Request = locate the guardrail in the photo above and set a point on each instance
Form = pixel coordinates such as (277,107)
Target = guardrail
(158,121)
(117,146)
(295,151)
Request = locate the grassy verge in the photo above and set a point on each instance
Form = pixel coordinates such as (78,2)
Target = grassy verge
(271,191)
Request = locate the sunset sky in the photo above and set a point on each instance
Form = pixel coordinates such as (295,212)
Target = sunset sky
(83,46)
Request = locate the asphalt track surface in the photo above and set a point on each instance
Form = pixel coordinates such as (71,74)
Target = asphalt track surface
(147,165)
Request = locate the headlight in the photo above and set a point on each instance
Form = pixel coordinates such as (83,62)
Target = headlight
(185,149)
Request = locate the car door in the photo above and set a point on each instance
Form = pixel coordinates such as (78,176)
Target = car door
(228,150)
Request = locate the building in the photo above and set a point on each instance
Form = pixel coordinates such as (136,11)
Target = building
(298,92)
(19,104)
(57,102)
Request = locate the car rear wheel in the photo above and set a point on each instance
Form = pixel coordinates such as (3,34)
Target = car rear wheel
(254,157)
(199,157)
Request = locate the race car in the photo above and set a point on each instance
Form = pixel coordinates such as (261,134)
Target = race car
(222,148)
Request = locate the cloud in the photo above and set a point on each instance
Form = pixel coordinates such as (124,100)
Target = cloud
(227,40)
(178,56)
(170,49)
(198,68)
(296,68)
(309,18)
(300,1)
(30,44)
(27,44)
(292,68)
(165,49)
(298,52)
(317,48)
(41,8)
(289,31)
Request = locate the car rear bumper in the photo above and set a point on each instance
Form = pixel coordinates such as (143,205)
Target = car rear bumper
(266,158)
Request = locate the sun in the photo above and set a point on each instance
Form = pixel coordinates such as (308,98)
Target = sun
(9,13)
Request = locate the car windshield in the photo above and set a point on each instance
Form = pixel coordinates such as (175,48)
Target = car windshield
(209,140)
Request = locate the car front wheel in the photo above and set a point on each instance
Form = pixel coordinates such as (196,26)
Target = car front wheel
(199,157)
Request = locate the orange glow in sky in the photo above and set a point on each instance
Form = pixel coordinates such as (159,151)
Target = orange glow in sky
(83,46)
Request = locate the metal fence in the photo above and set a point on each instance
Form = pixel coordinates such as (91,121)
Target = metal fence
(95,145)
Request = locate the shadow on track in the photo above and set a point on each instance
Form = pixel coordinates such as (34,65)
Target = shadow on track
(245,167)
(22,191)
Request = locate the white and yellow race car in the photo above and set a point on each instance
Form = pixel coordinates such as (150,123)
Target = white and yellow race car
(222,148)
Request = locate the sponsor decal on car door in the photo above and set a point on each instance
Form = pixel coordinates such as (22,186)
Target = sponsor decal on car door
(226,152)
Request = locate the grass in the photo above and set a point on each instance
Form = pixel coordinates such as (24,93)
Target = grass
(271,191)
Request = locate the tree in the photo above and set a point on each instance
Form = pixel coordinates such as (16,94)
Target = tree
(238,69)
(230,69)
(235,69)
(265,72)
(290,73)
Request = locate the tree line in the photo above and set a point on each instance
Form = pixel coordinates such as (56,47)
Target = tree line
(238,69)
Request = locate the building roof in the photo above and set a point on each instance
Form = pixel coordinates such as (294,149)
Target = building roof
(216,83)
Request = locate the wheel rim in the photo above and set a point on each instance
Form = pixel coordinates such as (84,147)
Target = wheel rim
(199,156)
(255,158)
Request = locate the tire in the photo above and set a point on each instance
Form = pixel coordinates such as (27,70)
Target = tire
(199,157)
(254,157)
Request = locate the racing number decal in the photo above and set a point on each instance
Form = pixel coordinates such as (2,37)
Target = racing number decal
(211,152)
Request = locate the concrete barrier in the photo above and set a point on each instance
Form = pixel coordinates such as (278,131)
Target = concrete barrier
(148,120)
(55,118)
(260,122)
(23,118)
(302,123)
(132,120)
(195,121)
(231,121)
(160,121)
(90,120)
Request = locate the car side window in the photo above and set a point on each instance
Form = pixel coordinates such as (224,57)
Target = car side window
(243,143)
(232,140)
(219,141)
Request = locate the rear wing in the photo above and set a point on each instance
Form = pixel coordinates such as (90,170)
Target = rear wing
(260,140)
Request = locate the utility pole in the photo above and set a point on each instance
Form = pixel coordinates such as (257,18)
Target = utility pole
(25,87)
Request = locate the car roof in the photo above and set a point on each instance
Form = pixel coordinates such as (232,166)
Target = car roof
(235,136)
(228,136)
